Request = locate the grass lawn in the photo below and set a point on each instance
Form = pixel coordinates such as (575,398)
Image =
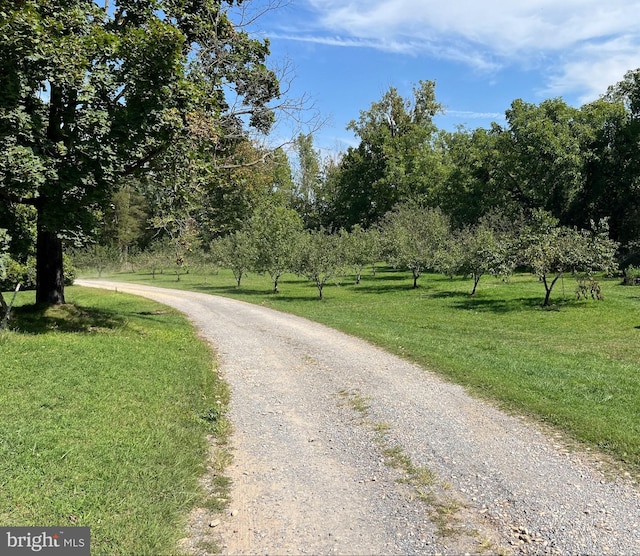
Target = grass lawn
(104,410)
(575,366)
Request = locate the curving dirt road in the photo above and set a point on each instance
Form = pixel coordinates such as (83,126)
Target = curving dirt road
(341,448)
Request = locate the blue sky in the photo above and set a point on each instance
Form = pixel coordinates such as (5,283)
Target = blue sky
(482,54)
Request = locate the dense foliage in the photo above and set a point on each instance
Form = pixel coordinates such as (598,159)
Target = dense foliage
(90,94)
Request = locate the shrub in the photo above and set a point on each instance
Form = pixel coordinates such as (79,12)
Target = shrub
(25,274)
(631,276)
(588,287)
(22,273)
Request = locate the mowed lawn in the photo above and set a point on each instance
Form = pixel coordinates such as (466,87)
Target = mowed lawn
(575,366)
(105,406)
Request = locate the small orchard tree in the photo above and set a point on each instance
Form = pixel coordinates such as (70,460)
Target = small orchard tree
(483,250)
(96,256)
(415,237)
(319,258)
(155,258)
(236,252)
(203,263)
(360,248)
(273,230)
(450,259)
(551,250)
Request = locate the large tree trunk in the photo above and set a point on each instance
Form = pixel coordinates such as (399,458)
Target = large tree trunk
(49,269)
(3,307)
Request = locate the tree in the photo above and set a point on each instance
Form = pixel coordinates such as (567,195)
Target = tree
(414,237)
(484,250)
(228,197)
(319,258)
(235,251)
(274,231)
(397,158)
(542,164)
(307,179)
(89,94)
(612,185)
(125,220)
(551,250)
(281,184)
(174,199)
(97,256)
(4,263)
(470,189)
(156,257)
(360,248)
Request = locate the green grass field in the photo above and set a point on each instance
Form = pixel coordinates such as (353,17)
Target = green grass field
(575,366)
(106,402)
(104,409)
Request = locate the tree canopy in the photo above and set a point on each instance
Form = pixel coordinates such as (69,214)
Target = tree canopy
(551,250)
(414,237)
(395,160)
(136,123)
(91,93)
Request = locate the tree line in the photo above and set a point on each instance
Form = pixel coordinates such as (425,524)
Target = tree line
(410,237)
(134,128)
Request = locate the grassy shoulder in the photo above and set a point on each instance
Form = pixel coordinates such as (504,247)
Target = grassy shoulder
(575,366)
(104,411)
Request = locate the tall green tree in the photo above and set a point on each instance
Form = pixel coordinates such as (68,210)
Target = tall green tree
(307,179)
(612,186)
(229,195)
(282,184)
(125,220)
(470,189)
(541,163)
(89,93)
(398,157)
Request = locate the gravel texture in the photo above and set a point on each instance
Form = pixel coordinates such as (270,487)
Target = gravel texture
(317,416)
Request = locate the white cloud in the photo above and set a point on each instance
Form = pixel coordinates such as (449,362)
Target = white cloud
(474,115)
(390,45)
(592,67)
(398,45)
(582,45)
(503,26)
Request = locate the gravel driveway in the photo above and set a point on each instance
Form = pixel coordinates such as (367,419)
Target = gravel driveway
(342,448)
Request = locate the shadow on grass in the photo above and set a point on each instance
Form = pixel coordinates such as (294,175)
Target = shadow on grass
(267,293)
(227,290)
(293,299)
(498,305)
(383,288)
(466,302)
(40,319)
(393,275)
